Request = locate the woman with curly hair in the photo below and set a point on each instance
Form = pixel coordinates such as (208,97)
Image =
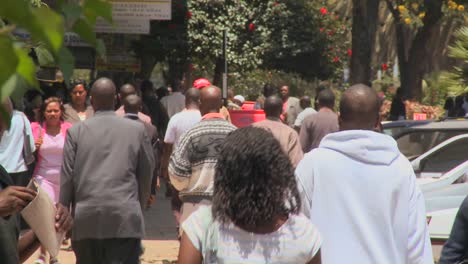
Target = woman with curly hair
(255,215)
(49,135)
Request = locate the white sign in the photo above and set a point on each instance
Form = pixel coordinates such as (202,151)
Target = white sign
(141,9)
(123,26)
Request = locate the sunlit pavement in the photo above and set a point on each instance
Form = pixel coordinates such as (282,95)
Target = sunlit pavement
(161,245)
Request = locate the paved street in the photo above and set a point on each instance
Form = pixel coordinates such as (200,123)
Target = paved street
(161,245)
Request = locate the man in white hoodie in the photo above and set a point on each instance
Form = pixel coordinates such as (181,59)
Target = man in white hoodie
(361,192)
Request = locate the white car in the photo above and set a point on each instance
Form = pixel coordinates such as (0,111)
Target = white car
(442,176)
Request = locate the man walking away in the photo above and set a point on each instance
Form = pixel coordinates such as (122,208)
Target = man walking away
(305,103)
(133,105)
(192,165)
(361,192)
(106,177)
(316,126)
(175,102)
(126,90)
(285,135)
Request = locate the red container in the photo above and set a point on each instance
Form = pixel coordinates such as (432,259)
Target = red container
(243,118)
(248,105)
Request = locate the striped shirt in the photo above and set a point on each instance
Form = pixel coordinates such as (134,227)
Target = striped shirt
(296,241)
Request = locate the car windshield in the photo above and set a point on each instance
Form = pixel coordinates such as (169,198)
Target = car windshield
(415,143)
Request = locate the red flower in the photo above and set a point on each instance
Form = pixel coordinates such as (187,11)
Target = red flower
(251,27)
(275,3)
(350,53)
(323,11)
(330,33)
(321,29)
(384,66)
(336,59)
(188,15)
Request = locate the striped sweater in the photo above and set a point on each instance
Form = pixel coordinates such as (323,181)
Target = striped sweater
(192,164)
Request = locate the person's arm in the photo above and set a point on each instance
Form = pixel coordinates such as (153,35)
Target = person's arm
(66,175)
(419,244)
(145,168)
(29,132)
(180,169)
(455,248)
(165,160)
(304,137)
(188,254)
(13,199)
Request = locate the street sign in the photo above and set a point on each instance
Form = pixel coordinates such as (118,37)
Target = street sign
(123,26)
(419,116)
(141,9)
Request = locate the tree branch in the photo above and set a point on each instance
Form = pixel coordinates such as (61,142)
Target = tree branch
(393,10)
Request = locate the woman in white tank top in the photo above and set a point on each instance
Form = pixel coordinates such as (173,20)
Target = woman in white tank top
(255,213)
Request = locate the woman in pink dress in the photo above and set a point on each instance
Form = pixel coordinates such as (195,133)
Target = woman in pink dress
(49,136)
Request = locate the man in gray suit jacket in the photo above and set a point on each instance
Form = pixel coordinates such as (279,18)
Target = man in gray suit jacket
(106,174)
(291,106)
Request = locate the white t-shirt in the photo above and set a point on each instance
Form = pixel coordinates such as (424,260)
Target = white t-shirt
(173,103)
(179,124)
(296,241)
(302,115)
(12,141)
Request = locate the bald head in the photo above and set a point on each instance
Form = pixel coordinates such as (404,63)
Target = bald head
(126,90)
(103,94)
(273,106)
(305,102)
(359,108)
(210,100)
(192,98)
(132,104)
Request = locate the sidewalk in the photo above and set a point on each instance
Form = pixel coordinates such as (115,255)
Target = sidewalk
(161,244)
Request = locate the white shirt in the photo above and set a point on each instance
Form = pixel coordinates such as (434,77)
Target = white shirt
(362,195)
(173,103)
(12,142)
(302,115)
(179,124)
(296,241)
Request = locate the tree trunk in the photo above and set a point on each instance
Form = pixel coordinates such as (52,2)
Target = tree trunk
(365,16)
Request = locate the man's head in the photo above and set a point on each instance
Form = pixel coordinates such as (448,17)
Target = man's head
(126,90)
(147,89)
(230,94)
(273,106)
(132,104)
(326,98)
(239,100)
(103,95)
(210,100)
(269,90)
(359,108)
(192,98)
(284,92)
(305,102)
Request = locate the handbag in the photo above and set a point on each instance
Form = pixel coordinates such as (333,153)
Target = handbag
(28,154)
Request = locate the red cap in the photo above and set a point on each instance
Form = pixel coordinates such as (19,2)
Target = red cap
(201,83)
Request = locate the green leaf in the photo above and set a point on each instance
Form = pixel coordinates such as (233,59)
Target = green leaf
(8,65)
(66,63)
(97,8)
(100,47)
(8,87)
(86,32)
(52,27)
(72,12)
(26,67)
(44,57)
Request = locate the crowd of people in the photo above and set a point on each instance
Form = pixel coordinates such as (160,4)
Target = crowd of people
(306,185)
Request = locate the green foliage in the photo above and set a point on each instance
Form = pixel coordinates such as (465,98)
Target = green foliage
(47,28)
(457,79)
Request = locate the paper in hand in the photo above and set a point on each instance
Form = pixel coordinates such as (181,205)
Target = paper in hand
(40,215)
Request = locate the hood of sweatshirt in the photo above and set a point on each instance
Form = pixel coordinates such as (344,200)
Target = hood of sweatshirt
(363,145)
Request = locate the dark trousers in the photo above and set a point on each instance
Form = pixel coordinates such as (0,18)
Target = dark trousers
(108,251)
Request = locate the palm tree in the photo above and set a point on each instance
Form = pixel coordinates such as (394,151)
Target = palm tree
(456,80)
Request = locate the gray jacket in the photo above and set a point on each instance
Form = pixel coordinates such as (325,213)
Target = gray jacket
(293,110)
(106,173)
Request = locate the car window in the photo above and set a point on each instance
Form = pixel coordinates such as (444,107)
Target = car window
(415,143)
(447,158)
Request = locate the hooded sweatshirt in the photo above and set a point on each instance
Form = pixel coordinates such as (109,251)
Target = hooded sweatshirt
(361,193)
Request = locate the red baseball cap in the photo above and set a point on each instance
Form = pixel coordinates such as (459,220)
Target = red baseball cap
(201,83)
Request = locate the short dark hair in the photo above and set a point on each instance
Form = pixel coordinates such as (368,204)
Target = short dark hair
(146,85)
(326,98)
(254,180)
